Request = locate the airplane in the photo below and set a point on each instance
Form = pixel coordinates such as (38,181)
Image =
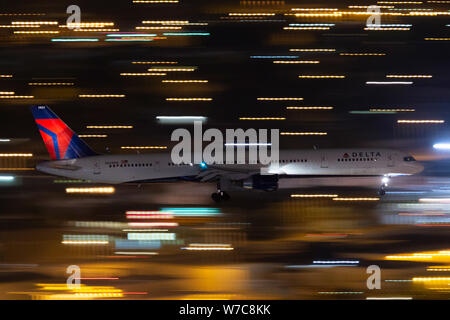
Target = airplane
(72,158)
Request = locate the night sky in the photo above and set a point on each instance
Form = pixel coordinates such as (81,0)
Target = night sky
(240,51)
(226,58)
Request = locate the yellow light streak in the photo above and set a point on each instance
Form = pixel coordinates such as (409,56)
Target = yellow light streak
(437,256)
(314,195)
(16,154)
(408,76)
(314,9)
(171,69)
(439,268)
(145,74)
(318,15)
(93,135)
(100,190)
(422,13)
(96,30)
(208,247)
(321,77)
(101,95)
(20,26)
(431,279)
(16,97)
(88,25)
(36,22)
(36,32)
(109,127)
(188,99)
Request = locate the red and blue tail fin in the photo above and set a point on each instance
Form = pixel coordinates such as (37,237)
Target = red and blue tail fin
(60,140)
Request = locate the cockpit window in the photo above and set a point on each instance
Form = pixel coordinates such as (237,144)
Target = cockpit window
(409,159)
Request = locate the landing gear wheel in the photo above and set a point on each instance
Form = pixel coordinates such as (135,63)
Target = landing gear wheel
(220,196)
(216,197)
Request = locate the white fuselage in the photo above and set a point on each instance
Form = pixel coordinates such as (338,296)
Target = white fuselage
(140,168)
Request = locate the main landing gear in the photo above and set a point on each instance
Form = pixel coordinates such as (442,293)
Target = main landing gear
(221,195)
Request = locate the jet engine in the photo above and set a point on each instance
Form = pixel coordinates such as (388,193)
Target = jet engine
(261,182)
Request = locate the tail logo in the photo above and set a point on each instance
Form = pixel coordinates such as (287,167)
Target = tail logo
(60,140)
(56,135)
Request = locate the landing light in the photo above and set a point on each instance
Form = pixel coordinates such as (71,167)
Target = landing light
(203,165)
(442,146)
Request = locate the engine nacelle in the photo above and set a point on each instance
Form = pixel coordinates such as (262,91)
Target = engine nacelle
(261,182)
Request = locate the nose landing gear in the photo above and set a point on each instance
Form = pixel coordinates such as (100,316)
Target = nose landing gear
(384,184)
(221,195)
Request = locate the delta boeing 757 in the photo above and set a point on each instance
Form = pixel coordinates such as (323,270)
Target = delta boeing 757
(71,157)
